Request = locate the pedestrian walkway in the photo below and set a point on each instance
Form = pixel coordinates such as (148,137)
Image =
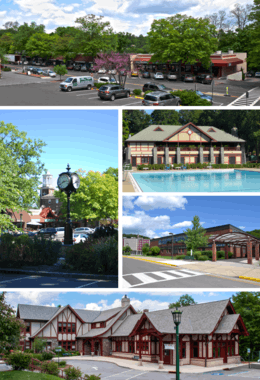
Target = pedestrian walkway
(251,100)
(137,279)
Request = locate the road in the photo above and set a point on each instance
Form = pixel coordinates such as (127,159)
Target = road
(141,274)
(111,371)
(28,281)
(21,90)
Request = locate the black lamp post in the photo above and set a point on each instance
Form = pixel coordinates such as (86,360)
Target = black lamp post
(172,243)
(176,314)
(21,220)
(69,183)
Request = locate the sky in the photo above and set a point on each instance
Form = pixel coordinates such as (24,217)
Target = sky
(103,300)
(155,215)
(85,139)
(133,16)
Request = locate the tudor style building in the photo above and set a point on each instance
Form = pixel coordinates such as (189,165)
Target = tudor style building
(188,144)
(209,332)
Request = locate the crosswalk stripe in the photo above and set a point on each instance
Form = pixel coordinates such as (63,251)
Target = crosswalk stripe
(126,284)
(254,96)
(190,271)
(180,273)
(144,278)
(163,275)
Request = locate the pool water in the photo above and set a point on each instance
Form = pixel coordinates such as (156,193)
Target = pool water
(199,181)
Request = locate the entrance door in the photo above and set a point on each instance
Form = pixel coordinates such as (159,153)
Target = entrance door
(223,352)
(133,161)
(159,160)
(96,348)
(166,356)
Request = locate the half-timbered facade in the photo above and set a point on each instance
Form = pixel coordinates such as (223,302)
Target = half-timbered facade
(209,333)
(188,144)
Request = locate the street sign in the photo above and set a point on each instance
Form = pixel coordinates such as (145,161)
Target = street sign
(58,350)
(169,346)
(248,350)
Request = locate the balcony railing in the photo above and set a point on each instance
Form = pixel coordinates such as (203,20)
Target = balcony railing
(160,149)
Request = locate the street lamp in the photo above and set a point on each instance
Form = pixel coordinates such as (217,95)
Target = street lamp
(21,220)
(170,233)
(69,183)
(176,314)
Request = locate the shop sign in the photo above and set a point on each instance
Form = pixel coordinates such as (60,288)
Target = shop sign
(169,346)
(49,220)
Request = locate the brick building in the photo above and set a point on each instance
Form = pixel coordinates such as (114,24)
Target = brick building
(209,332)
(177,242)
(136,244)
(188,144)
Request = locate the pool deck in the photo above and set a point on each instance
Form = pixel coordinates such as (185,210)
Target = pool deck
(129,188)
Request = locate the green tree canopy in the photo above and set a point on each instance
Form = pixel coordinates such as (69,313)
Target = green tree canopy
(162,117)
(20,170)
(41,44)
(146,249)
(113,172)
(96,198)
(185,300)
(196,236)
(24,33)
(137,120)
(182,38)
(60,70)
(10,326)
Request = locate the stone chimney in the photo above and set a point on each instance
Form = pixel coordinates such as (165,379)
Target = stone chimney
(125,301)
(234,131)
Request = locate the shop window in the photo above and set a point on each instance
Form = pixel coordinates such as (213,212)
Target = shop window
(232,160)
(131,347)
(206,158)
(28,327)
(195,350)
(144,160)
(214,352)
(183,352)
(66,328)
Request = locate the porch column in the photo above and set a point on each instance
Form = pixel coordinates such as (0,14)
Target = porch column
(101,347)
(128,154)
(257,252)
(249,252)
(92,347)
(140,352)
(160,352)
(167,158)
(214,251)
(243,153)
(201,154)
(222,155)
(178,155)
(226,251)
(155,155)
(211,152)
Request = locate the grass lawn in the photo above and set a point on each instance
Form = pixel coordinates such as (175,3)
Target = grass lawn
(21,375)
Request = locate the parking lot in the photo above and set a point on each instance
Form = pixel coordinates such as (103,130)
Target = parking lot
(22,90)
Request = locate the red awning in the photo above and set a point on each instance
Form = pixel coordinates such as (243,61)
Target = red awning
(226,62)
(138,59)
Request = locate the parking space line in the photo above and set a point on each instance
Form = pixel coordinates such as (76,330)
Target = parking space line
(139,374)
(17,279)
(131,103)
(117,374)
(86,285)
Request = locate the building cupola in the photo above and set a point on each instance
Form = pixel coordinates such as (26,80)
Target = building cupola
(125,301)
(234,131)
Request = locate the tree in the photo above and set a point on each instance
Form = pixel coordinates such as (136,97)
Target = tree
(127,249)
(155,251)
(185,300)
(20,170)
(137,120)
(96,198)
(182,39)
(40,44)
(241,14)
(254,47)
(24,33)
(125,131)
(94,36)
(60,70)
(145,249)
(113,172)
(196,236)
(6,42)
(162,117)
(114,61)
(11,25)
(247,304)
(39,344)
(10,326)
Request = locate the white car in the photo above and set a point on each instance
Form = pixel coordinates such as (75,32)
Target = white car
(50,73)
(79,238)
(112,72)
(102,71)
(60,231)
(158,76)
(107,80)
(84,230)
(257,74)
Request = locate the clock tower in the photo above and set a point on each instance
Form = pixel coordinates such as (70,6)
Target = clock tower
(47,198)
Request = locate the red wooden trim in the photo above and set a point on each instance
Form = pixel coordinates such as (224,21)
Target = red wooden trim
(158,129)
(184,126)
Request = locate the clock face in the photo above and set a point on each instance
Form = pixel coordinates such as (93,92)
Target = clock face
(75,180)
(63,181)
(189,132)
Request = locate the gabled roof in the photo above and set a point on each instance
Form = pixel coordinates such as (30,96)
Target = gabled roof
(107,314)
(227,324)
(128,325)
(151,134)
(37,313)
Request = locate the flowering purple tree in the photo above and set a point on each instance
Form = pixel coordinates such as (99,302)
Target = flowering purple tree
(114,64)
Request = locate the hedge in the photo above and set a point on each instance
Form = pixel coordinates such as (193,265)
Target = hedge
(137,91)
(203,258)
(19,360)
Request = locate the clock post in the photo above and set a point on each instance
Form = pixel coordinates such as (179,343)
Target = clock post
(69,183)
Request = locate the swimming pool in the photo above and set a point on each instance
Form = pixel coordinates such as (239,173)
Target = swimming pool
(227,180)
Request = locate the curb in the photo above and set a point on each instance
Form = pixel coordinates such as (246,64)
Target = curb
(59,274)
(151,261)
(250,278)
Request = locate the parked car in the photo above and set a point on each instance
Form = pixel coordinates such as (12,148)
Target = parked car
(187,78)
(84,68)
(79,238)
(146,74)
(155,87)
(204,96)
(158,75)
(113,72)
(60,231)
(50,231)
(38,71)
(250,73)
(107,80)
(257,74)
(102,71)
(172,76)
(112,92)
(29,68)
(86,230)
(77,67)
(159,98)
(204,78)
(70,66)
(50,73)
(134,73)
(92,70)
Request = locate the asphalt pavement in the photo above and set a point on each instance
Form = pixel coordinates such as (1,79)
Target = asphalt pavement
(22,90)
(38,281)
(142,274)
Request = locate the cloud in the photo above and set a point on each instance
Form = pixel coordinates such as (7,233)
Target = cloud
(32,297)
(163,7)
(152,202)
(242,227)
(137,304)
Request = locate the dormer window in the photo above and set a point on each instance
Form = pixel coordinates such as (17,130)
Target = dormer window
(158,129)
(211,130)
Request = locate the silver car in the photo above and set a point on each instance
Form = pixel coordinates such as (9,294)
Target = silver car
(159,98)
(171,76)
(50,73)
(158,76)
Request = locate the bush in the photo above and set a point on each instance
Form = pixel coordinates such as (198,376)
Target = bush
(98,256)
(188,257)
(92,377)
(220,254)
(72,373)
(155,251)
(47,356)
(38,357)
(137,91)
(6,69)
(190,98)
(179,257)
(230,254)
(203,258)
(16,251)
(62,363)
(28,351)
(148,92)
(51,368)
(19,360)
(196,254)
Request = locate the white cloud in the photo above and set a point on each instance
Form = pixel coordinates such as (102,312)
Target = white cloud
(137,304)
(152,202)
(31,297)
(242,227)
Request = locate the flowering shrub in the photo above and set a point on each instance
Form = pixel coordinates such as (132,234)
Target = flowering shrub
(72,373)
(19,360)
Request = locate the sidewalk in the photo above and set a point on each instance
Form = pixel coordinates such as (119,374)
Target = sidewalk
(225,268)
(131,364)
(127,184)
